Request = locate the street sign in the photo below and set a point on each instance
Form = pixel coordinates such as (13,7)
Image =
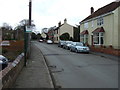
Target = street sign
(28,29)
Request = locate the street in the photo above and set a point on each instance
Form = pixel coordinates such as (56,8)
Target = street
(78,70)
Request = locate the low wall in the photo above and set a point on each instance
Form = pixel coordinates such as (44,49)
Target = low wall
(106,50)
(10,73)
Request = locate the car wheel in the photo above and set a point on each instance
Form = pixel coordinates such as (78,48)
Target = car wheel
(70,49)
(76,50)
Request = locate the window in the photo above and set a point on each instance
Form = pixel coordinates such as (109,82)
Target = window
(92,24)
(85,25)
(84,38)
(98,38)
(100,21)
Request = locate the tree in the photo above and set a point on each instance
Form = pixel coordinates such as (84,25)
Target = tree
(71,39)
(19,32)
(45,30)
(38,36)
(6,26)
(65,36)
(7,32)
(33,36)
(25,22)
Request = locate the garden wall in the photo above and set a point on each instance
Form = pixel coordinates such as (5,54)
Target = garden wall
(10,73)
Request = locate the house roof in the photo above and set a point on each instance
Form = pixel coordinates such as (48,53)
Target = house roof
(106,9)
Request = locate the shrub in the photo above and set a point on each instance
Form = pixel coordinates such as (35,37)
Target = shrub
(65,36)
(4,51)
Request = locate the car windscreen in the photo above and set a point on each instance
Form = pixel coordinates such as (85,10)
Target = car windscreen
(79,44)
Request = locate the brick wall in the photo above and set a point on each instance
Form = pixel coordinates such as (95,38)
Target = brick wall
(10,73)
(107,50)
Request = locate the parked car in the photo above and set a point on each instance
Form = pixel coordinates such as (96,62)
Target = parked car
(79,47)
(3,62)
(5,43)
(49,41)
(40,40)
(67,45)
(61,43)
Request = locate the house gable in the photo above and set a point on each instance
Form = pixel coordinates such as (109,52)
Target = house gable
(104,10)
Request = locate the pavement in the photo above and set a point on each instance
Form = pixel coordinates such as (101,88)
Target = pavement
(112,57)
(36,73)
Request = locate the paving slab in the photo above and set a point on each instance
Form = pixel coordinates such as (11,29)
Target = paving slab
(36,73)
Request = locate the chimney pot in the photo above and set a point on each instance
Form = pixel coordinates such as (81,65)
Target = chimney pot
(65,20)
(92,10)
(59,24)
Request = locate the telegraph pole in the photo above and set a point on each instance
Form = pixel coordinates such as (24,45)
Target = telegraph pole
(30,11)
(30,21)
(27,35)
(30,24)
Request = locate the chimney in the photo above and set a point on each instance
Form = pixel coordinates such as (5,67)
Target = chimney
(92,10)
(59,24)
(65,20)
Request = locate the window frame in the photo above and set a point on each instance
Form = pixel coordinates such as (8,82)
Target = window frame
(100,21)
(86,25)
(99,38)
(84,38)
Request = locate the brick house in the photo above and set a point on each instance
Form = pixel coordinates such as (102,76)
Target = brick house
(101,29)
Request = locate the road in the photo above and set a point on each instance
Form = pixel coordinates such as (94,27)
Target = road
(77,70)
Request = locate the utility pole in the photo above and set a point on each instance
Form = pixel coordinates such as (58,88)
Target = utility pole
(30,11)
(27,35)
(30,21)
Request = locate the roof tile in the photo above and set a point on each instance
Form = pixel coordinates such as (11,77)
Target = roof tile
(106,9)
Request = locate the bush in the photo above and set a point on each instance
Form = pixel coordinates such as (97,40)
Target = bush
(65,36)
(4,51)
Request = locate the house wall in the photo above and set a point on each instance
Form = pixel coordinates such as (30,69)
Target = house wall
(116,28)
(110,26)
(109,29)
(56,36)
(119,28)
(66,28)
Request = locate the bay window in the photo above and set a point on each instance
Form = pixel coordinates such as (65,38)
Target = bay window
(98,38)
(84,38)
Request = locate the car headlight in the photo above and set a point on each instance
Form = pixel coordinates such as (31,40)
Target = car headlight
(88,49)
(1,62)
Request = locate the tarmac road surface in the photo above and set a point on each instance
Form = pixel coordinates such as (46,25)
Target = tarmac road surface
(78,70)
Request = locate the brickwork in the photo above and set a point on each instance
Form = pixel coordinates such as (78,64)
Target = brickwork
(10,73)
(107,50)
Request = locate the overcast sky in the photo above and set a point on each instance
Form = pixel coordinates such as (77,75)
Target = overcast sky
(47,13)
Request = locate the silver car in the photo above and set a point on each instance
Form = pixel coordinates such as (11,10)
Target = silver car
(61,43)
(67,45)
(79,47)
